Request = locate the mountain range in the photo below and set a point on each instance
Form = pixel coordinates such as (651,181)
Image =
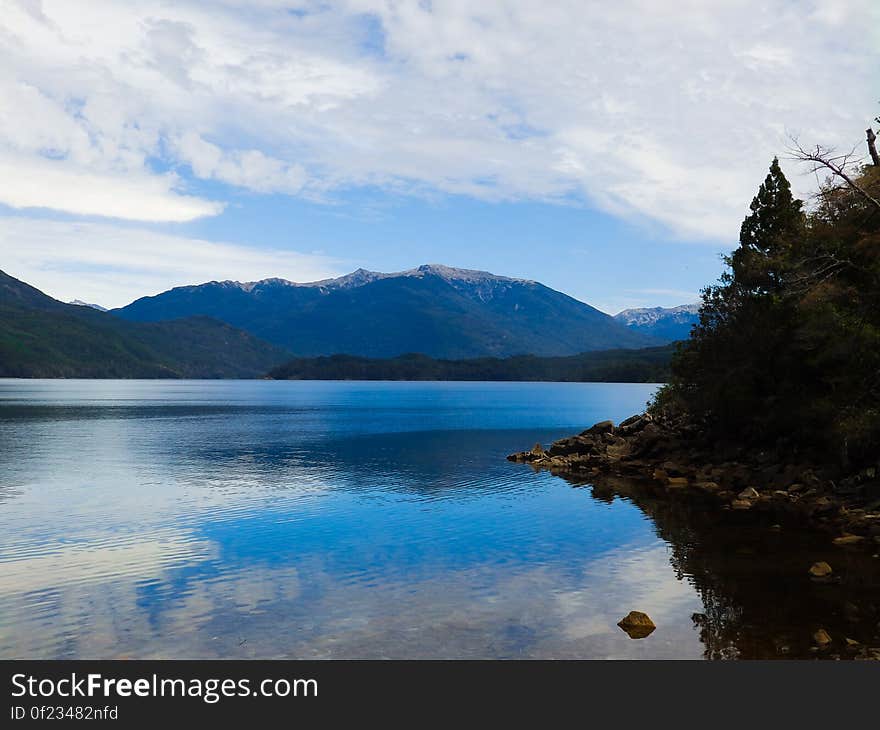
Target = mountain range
(435,310)
(668,325)
(42,337)
(230,329)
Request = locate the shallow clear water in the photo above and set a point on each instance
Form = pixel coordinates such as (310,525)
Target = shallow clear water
(245,519)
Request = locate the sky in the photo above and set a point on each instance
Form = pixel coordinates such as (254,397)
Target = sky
(608,150)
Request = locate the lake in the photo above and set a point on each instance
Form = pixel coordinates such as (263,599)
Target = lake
(273,519)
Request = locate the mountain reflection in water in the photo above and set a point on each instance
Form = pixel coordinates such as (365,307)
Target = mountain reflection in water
(250,519)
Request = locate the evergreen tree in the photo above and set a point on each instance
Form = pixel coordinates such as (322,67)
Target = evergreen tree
(733,371)
(767,235)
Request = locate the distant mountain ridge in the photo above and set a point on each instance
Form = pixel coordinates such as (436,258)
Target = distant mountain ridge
(360,277)
(41,337)
(436,310)
(666,324)
(81,303)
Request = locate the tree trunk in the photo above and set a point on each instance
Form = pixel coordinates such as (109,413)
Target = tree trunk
(875,158)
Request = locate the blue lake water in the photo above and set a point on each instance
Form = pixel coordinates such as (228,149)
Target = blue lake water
(261,519)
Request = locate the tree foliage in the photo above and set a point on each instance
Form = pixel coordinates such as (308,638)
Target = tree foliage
(787,349)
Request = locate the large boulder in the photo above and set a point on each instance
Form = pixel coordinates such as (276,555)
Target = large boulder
(631,420)
(571,445)
(633,424)
(599,428)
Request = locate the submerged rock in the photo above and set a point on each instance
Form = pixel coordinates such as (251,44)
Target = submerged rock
(637,625)
(820,569)
(845,540)
(822,638)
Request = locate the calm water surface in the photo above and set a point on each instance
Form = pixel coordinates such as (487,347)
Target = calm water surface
(245,519)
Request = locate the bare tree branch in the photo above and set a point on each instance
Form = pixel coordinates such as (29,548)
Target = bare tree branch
(837,164)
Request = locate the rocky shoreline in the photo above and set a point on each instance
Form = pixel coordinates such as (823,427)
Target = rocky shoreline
(760,494)
(673,458)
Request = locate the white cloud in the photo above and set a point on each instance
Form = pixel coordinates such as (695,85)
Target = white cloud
(35,182)
(58,256)
(249,169)
(670,117)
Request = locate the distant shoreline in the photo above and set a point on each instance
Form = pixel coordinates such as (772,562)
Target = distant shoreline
(649,365)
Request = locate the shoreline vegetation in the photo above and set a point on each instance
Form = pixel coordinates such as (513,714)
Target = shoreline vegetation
(772,411)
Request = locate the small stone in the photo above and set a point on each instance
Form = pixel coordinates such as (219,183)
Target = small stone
(637,625)
(741,504)
(820,570)
(749,493)
(822,638)
(708,486)
(845,540)
(537,450)
(852,643)
(676,482)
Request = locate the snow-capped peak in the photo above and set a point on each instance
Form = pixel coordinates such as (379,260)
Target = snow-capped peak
(652,315)
(80,303)
(360,277)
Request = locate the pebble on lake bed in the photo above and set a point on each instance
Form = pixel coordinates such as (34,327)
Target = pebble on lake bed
(820,570)
(845,540)
(637,625)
